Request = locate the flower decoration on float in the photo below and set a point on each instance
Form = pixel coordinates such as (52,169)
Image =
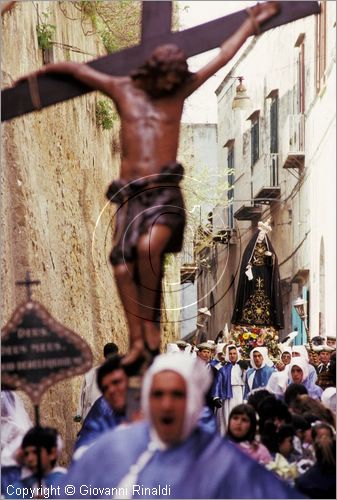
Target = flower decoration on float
(248,337)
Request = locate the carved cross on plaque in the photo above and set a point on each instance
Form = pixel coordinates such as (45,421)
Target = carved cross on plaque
(156,30)
(28,284)
(37,351)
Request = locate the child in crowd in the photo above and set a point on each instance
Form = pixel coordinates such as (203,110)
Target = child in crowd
(292,392)
(303,453)
(285,437)
(282,448)
(242,431)
(320,480)
(305,404)
(257,396)
(46,439)
(273,413)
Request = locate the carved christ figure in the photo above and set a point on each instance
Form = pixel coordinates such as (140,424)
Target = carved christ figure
(150,217)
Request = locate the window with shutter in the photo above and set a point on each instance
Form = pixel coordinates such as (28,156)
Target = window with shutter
(254,136)
(274,125)
(230,179)
(320,56)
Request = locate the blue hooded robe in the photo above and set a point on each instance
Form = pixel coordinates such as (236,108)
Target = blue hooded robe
(202,466)
(262,375)
(101,418)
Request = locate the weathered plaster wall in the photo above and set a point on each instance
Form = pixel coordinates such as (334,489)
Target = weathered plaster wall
(56,166)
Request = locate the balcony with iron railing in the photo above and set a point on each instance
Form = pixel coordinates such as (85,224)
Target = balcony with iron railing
(188,266)
(265,181)
(225,236)
(293,142)
(223,220)
(248,211)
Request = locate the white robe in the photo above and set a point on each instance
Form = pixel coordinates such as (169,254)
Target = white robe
(278,382)
(237,384)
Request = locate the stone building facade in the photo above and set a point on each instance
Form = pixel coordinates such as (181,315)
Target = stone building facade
(279,160)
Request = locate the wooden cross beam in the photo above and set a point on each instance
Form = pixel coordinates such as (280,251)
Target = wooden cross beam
(156,19)
(156,30)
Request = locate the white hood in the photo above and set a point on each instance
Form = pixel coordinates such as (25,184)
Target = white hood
(197,378)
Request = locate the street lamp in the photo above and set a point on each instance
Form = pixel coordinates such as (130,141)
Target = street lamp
(241,99)
(300,307)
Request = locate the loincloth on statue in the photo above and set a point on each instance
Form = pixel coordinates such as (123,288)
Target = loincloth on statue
(143,203)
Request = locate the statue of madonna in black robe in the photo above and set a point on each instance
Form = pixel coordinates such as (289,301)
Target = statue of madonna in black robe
(259,300)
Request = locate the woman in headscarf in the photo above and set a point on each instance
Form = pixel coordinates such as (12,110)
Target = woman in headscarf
(259,374)
(299,374)
(300,350)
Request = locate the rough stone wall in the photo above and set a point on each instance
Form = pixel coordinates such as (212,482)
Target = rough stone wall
(56,166)
(171,300)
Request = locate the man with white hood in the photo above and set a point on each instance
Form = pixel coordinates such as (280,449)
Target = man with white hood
(233,376)
(206,418)
(219,357)
(172,348)
(217,364)
(259,374)
(168,455)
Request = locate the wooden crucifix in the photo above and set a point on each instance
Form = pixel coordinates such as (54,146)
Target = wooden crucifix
(156,30)
(150,217)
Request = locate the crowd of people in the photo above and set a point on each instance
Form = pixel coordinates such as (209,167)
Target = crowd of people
(211,425)
(208,419)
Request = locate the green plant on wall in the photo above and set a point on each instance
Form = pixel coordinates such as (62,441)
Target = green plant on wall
(117,23)
(88,7)
(45,33)
(89,10)
(168,260)
(105,114)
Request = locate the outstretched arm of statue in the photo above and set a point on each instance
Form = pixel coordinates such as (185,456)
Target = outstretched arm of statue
(257,15)
(6,6)
(82,72)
